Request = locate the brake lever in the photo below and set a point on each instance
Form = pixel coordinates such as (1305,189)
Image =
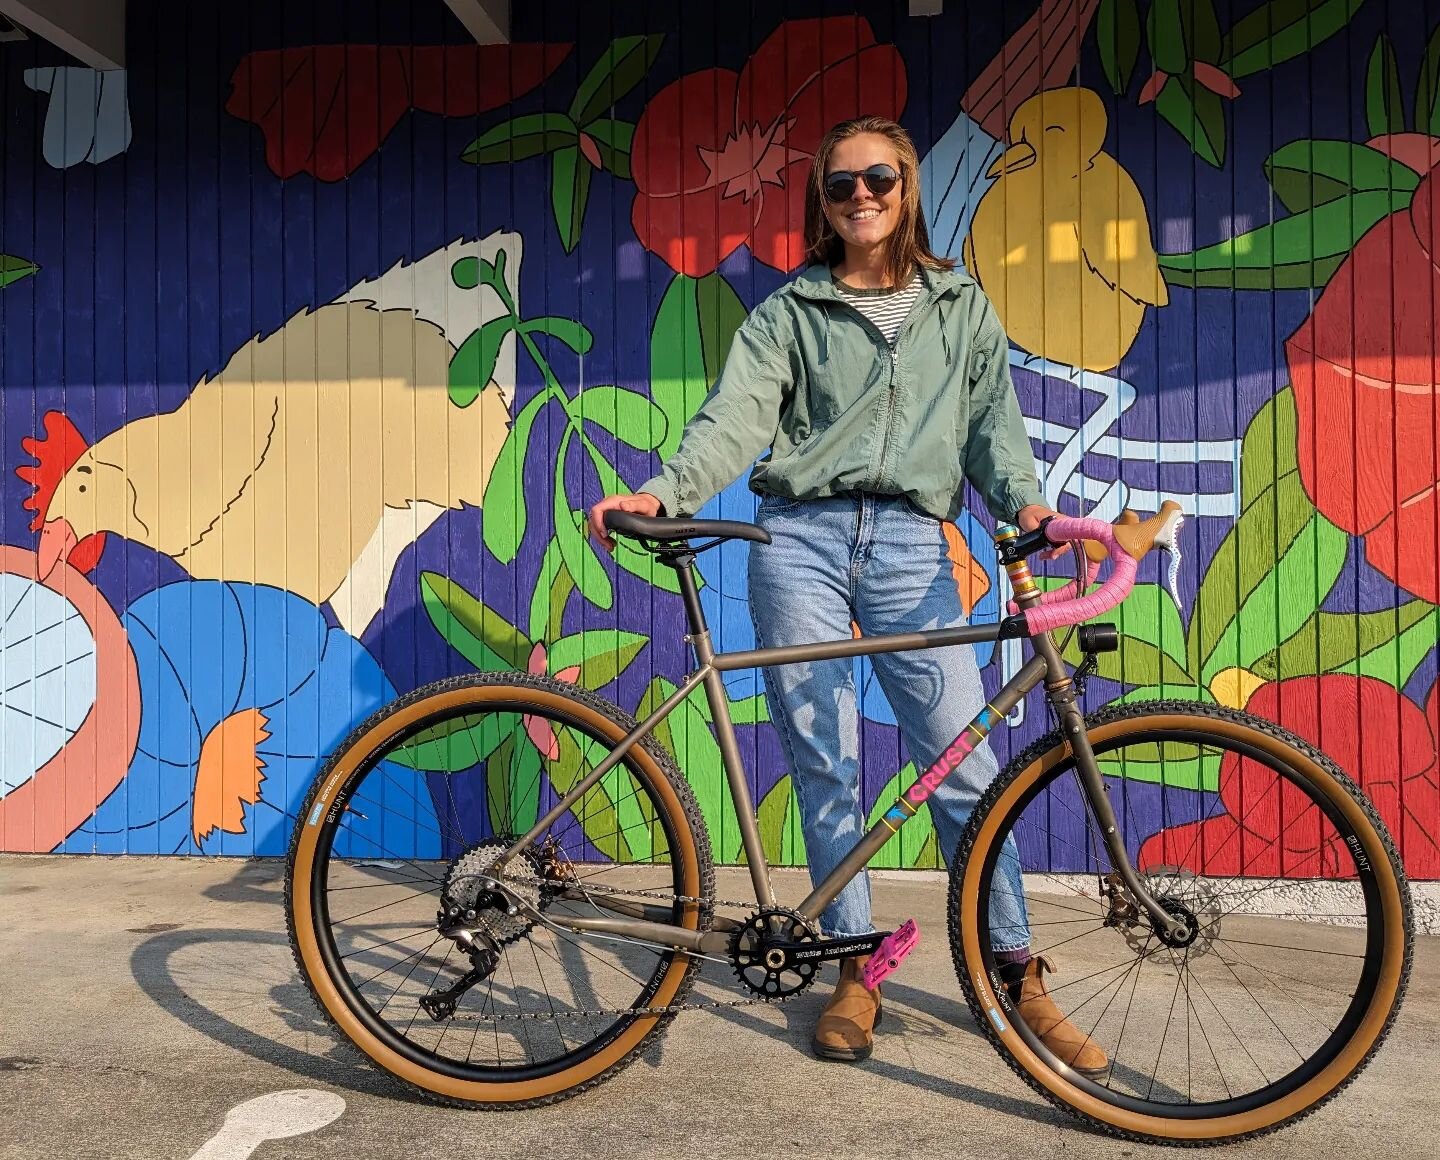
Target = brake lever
(1168,538)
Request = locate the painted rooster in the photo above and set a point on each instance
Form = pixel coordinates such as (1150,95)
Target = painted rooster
(282,469)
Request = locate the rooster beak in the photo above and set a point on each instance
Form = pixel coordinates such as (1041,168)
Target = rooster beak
(57,541)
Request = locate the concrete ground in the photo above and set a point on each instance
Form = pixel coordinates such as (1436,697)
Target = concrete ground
(142,1000)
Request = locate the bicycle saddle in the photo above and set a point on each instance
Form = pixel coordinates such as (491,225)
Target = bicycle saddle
(665,529)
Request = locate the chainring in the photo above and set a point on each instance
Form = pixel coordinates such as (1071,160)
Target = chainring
(748,946)
(523,876)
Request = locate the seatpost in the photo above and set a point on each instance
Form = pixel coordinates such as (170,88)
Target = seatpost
(683,562)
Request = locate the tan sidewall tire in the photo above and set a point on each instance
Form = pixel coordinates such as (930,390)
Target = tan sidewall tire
(1303,1099)
(329,995)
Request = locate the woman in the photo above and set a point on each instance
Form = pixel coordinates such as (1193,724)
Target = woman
(879,380)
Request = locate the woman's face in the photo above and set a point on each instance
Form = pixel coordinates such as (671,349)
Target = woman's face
(865,218)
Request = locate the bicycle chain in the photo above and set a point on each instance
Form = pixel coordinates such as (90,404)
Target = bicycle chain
(669,1009)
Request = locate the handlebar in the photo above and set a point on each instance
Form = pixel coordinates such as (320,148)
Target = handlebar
(1125,543)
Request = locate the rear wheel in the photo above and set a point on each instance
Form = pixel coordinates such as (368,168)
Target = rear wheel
(416,807)
(1298,938)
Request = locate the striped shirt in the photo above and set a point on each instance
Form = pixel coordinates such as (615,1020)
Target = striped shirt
(886,308)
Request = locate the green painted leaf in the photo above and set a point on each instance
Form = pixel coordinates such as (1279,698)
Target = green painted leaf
(1427,89)
(522,775)
(750,711)
(1135,662)
(1296,253)
(1276,565)
(904,850)
(613,139)
(456,744)
(1117,33)
(1181,31)
(504,503)
(573,334)
(656,692)
(698,755)
(643,565)
(628,415)
(1202,30)
(512,784)
(577,550)
(12,269)
(780,831)
(693,330)
(569,192)
(1338,641)
(1384,106)
(552,591)
(1174,764)
(521,138)
(620,68)
(601,654)
(1198,115)
(1149,614)
(617,815)
(1311,173)
(473,366)
(1281,600)
(1281,30)
(1165,30)
(1397,659)
(1166,693)
(482,636)
(596,809)
(1267,452)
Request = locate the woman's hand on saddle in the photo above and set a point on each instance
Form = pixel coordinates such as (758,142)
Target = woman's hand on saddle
(643,504)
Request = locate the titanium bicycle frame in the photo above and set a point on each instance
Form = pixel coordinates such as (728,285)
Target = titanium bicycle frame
(641,920)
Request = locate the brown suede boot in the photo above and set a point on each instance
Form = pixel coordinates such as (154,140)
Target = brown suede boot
(846,1027)
(1067,1041)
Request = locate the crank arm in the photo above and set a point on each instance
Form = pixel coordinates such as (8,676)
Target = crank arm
(830,948)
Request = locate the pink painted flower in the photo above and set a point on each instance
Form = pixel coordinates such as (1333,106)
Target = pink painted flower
(537,728)
(720,158)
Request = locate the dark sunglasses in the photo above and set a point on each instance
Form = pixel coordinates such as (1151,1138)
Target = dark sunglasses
(879,180)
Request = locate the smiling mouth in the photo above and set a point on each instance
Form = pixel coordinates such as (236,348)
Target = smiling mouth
(864,215)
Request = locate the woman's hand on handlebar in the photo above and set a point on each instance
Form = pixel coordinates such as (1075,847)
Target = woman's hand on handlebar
(643,504)
(1029,518)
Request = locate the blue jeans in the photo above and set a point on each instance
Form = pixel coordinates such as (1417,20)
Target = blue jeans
(881,562)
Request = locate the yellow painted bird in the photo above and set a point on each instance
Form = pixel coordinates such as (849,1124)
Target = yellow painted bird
(1061,241)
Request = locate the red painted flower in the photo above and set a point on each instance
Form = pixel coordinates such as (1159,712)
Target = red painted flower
(325,109)
(720,159)
(1365,367)
(1376,735)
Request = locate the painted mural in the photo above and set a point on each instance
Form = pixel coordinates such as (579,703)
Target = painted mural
(321,332)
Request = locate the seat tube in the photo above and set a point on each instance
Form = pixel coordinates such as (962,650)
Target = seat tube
(699,639)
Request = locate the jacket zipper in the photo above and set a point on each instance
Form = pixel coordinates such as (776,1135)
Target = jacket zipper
(889,414)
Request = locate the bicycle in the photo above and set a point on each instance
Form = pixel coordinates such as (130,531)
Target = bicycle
(600,873)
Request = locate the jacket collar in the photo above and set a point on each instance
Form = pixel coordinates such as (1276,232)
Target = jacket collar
(816,283)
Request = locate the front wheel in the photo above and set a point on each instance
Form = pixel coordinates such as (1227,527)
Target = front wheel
(1297,912)
(417,807)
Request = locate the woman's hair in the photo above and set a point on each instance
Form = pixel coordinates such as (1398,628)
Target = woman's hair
(909,242)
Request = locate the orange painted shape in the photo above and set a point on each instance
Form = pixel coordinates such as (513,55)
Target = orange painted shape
(229,774)
(970,578)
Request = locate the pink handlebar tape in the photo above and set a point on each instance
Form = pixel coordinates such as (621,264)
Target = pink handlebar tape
(1059,611)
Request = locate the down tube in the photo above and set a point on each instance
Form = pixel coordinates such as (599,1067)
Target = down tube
(908,804)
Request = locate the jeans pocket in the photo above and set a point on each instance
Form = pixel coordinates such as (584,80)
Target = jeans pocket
(918,515)
(771,504)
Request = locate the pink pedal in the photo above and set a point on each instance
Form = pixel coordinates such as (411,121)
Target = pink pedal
(887,957)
